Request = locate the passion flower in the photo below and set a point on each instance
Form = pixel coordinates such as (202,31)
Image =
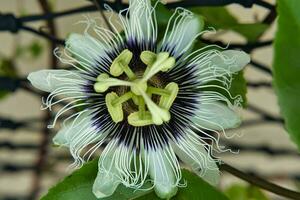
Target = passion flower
(149,103)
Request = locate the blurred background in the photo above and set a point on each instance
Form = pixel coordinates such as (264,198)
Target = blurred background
(30,164)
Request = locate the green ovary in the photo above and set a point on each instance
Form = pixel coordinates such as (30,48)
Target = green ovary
(140,91)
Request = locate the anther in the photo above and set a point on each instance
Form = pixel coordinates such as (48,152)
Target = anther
(134,119)
(140,92)
(104,82)
(120,65)
(115,110)
(161,62)
(166,101)
(125,97)
(159,115)
(158,91)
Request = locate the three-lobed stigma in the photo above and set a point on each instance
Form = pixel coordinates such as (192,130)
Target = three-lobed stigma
(140,91)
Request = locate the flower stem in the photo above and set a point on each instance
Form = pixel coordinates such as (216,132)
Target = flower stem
(260,182)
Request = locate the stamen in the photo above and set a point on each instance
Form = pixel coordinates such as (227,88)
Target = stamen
(135,120)
(125,97)
(142,117)
(115,110)
(140,92)
(138,86)
(166,101)
(120,65)
(162,62)
(141,107)
(158,91)
(104,82)
(159,115)
(148,57)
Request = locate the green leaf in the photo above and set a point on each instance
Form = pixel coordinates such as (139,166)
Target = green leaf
(220,18)
(163,14)
(239,87)
(287,65)
(250,31)
(240,192)
(78,186)
(197,189)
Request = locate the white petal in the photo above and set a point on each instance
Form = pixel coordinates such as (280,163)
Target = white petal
(182,34)
(60,138)
(105,184)
(49,80)
(85,48)
(231,60)
(216,116)
(107,179)
(73,130)
(195,156)
(78,137)
(162,173)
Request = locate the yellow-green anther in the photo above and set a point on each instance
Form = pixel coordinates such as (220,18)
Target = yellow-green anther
(158,91)
(104,82)
(148,57)
(115,110)
(166,101)
(125,97)
(159,115)
(162,63)
(134,119)
(120,65)
(102,77)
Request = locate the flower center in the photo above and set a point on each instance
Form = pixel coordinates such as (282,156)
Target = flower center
(140,92)
(138,86)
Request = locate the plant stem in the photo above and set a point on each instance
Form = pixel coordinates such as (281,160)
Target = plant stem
(261,67)
(43,150)
(260,182)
